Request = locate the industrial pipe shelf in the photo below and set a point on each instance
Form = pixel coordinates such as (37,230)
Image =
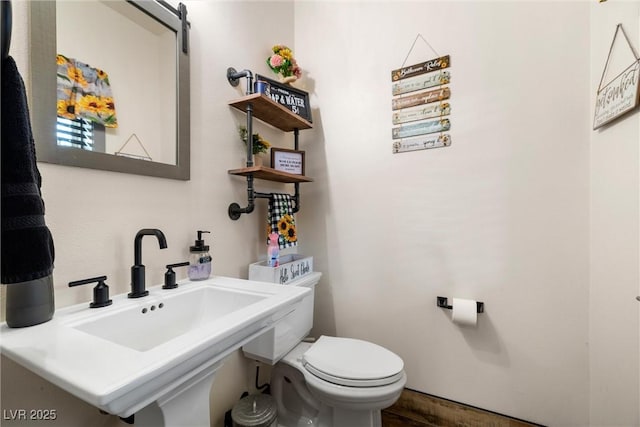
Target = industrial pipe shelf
(271,112)
(263,108)
(269,174)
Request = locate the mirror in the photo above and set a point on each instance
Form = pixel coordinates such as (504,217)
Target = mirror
(141,54)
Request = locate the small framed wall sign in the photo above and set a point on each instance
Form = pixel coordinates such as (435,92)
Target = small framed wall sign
(290,161)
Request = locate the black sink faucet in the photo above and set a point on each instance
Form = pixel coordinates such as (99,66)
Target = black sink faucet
(137,271)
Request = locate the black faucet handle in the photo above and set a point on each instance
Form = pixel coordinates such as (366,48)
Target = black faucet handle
(170,275)
(100,291)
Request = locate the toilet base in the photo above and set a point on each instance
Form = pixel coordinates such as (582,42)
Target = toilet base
(336,417)
(298,407)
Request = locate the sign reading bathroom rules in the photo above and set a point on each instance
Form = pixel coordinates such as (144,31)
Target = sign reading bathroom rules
(416,78)
(424,67)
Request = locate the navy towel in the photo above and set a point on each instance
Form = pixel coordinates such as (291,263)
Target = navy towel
(27,245)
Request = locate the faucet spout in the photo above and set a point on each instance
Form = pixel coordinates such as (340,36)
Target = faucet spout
(138,287)
(162,241)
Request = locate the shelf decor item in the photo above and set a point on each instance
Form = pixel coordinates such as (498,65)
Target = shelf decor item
(294,100)
(282,62)
(290,161)
(260,145)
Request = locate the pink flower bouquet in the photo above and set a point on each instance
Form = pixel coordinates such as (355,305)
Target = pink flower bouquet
(282,62)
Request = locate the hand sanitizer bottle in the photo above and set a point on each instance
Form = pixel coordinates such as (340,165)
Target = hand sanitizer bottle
(273,251)
(199,259)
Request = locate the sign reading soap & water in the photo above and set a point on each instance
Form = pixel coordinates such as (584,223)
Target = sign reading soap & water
(295,100)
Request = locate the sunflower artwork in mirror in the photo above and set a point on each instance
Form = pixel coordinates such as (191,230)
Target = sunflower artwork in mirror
(85,105)
(115,101)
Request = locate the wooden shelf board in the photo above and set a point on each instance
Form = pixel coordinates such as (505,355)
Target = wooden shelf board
(269,174)
(271,112)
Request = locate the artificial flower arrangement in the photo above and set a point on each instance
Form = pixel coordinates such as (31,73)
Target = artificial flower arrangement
(259,145)
(282,62)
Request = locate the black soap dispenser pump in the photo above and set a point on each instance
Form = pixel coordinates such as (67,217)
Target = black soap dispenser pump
(199,259)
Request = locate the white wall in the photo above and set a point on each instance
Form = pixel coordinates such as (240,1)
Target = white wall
(614,330)
(500,216)
(94,215)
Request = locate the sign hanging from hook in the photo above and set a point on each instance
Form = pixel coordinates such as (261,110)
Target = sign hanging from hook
(420,103)
(621,94)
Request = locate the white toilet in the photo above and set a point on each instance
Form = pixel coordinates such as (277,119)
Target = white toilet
(332,382)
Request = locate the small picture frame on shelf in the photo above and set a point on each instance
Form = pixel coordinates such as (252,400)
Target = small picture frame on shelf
(290,161)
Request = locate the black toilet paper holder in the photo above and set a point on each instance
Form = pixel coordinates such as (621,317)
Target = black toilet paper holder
(443,303)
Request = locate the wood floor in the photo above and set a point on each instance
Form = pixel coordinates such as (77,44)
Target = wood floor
(415,409)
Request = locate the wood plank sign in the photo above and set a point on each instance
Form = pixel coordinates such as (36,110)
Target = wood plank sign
(618,97)
(424,81)
(420,113)
(421,128)
(424,67)
(295,100)
(422,143)
(420,98)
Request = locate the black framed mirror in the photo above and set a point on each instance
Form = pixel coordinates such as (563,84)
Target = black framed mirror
(151,97)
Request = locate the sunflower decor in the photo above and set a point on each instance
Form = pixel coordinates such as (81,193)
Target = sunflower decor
(260,145)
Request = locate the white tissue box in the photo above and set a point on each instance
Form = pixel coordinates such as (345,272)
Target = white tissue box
(292,267)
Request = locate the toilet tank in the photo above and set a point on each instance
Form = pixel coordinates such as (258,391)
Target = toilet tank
(271,346)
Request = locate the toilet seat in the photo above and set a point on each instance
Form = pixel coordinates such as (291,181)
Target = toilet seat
(353,363)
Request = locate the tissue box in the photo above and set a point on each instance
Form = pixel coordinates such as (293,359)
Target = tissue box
(292,267)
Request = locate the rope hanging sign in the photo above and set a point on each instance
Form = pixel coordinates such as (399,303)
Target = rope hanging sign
(621,94)
(420,103)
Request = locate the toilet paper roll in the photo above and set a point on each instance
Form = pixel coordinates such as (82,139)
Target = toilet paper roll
(464,312)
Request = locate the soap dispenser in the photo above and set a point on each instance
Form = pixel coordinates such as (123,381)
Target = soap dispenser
(199,259)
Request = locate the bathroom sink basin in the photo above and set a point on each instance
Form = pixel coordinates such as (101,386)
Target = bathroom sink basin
(123,357)
(158,322)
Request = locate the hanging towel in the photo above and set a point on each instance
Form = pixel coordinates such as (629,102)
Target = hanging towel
(84,91)
(280,220)
(27,245)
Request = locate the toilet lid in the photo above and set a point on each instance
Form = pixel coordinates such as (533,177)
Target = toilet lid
(352,362)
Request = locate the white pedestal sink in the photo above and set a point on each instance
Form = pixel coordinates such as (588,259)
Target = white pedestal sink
(155,356)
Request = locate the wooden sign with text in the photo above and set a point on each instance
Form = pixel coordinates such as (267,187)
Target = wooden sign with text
(421,98)
(291,98)
(424,67)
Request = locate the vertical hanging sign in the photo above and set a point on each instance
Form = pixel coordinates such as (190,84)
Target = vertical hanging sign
(420,97)
(621,94)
